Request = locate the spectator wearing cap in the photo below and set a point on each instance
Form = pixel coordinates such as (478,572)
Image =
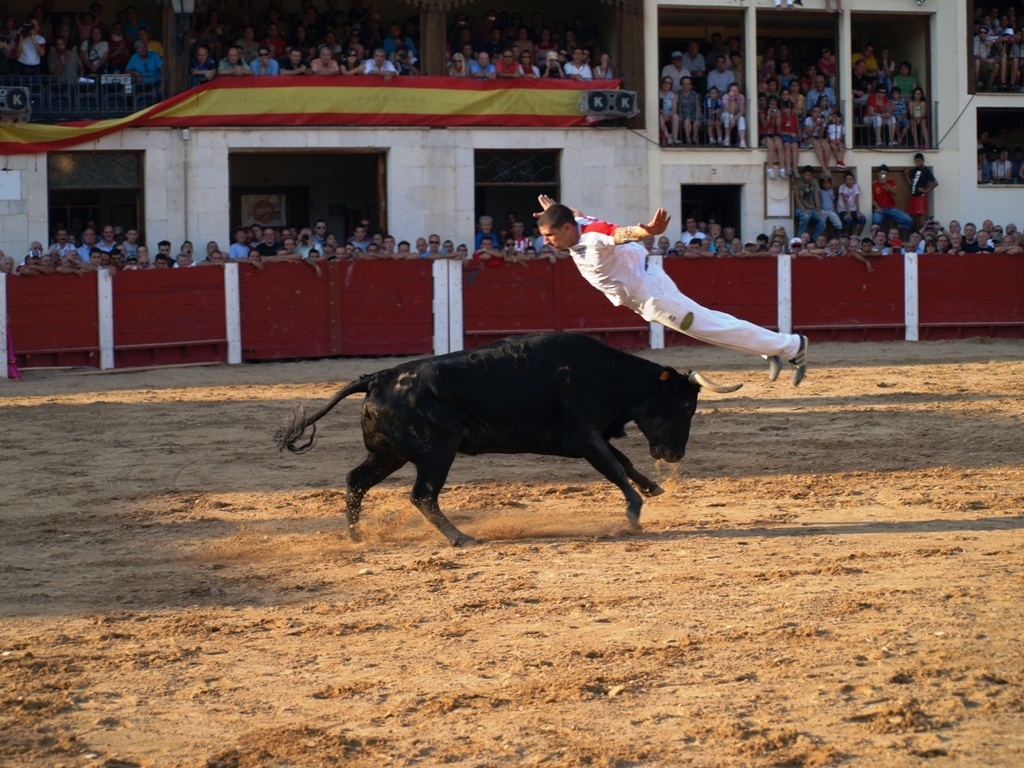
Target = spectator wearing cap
(264,65)
(675,70)
(552,67)
(798,247)
(1005,52)
(145,66)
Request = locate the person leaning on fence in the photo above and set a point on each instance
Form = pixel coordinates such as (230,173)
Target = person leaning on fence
(263,65)
(379,66)
(233,65)
(203,68)
(145,65)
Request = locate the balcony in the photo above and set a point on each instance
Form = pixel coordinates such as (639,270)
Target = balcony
(56,100)
(901,136)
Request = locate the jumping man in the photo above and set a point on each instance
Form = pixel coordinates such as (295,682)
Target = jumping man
(612,259)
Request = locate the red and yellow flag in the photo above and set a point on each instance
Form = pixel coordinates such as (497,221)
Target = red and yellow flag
(281,101)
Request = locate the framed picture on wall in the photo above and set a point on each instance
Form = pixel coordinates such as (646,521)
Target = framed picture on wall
(267,210)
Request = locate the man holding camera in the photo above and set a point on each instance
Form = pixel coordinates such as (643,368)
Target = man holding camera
(405,62)
(884,203)
(31,47)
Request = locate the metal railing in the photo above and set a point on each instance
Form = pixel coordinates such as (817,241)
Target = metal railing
(864,134)
(60,100)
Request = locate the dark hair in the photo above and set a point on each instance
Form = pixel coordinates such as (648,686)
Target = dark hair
(556,216)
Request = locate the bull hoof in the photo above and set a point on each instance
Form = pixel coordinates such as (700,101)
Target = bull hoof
(654,490)
(464,541)
(354,534)
(634,520)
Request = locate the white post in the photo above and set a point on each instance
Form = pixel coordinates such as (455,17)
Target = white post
(785,293)
(656,334)
(105,299)
(4,352)
(911,318)
(232,314)
(456,329)
(442,340)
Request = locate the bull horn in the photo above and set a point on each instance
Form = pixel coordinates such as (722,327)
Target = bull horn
(698,378)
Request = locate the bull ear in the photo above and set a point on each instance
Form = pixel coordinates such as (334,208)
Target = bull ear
(665,376)
(698,378)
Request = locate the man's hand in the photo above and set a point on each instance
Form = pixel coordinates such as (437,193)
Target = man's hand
(546,202)
(659,223)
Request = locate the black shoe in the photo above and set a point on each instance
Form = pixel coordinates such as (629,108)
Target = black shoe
(799,362)
(774,367)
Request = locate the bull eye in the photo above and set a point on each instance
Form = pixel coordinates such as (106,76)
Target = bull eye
(664,376)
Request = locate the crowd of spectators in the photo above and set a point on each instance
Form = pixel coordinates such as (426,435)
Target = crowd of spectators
(996,49)
(998,161)
(708,239)
(115,248)
(702,101)
(223,42)
(70,46)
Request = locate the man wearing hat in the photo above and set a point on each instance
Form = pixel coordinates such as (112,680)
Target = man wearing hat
(552,67)
(145,65)
(1002,50)
(883,202)
(675,70)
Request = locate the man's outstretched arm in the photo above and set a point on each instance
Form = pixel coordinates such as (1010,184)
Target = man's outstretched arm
(657,225)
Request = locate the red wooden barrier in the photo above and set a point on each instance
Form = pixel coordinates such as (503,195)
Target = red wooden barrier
(350,308)
(978,294)
(837,299)
(744,288)
(169,316)
(386,307)
(581,308)
(285,313)
(512,299)
(54,320)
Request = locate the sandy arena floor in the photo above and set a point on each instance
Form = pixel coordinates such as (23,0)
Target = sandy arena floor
(834,577)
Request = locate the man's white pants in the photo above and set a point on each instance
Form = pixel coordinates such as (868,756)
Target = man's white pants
(670,307)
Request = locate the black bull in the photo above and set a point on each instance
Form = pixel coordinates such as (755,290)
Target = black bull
(557,394)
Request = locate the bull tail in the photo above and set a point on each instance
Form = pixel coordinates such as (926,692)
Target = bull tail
(295,425)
